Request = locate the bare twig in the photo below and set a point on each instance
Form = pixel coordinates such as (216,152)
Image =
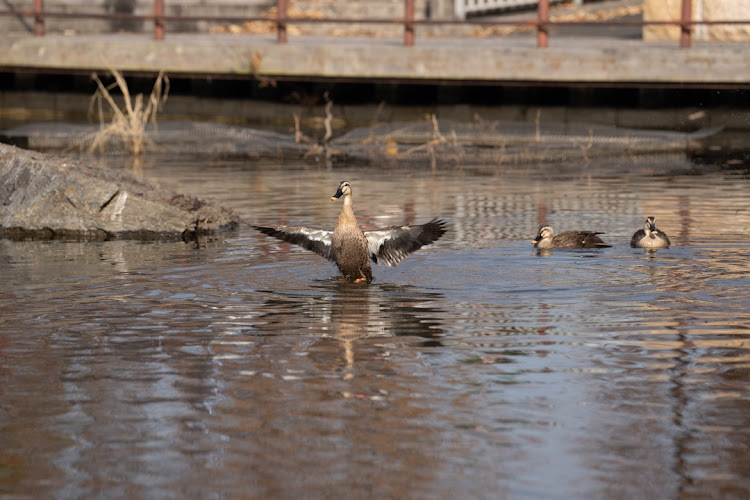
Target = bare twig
(328,119)
(433,158)
(438,138)
(436,128)
(297,131)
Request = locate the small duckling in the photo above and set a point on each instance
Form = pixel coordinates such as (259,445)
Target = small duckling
(649,236)
(546,238)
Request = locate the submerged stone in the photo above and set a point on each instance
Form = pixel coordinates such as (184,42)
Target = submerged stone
(50,197)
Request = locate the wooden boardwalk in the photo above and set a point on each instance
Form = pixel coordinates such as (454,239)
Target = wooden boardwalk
(570,61)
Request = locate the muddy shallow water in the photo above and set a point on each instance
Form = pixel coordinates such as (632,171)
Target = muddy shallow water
(478,368)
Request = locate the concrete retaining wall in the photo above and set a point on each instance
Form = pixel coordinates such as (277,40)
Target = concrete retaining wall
(702,10)
(20,24)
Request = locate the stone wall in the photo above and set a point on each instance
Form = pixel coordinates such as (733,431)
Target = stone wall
(366,9)
(703,10)
(20,24)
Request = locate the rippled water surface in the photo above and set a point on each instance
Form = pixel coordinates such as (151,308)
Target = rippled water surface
(478,368)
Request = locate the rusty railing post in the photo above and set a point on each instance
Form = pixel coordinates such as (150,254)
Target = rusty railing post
(280,21)
(408,24)
(685,26)
(38,17)
(542,37)
(158,20)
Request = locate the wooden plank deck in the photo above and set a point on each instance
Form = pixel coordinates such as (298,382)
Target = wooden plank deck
(569,61)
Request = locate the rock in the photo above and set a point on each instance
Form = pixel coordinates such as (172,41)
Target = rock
(48,197)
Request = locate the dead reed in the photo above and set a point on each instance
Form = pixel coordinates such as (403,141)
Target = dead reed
(127,123)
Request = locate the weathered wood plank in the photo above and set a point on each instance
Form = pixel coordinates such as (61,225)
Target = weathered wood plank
(595,61)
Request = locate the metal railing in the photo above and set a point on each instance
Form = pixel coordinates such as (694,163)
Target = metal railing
(541,23)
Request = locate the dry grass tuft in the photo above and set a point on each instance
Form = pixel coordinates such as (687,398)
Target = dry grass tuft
(128,123)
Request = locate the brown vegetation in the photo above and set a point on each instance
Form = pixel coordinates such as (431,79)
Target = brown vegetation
(128,124)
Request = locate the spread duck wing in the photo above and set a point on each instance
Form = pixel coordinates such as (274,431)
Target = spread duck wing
(316,240)
(391,245)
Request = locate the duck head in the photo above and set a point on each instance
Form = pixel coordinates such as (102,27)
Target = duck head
(545,231)
(650,225)
(344,190)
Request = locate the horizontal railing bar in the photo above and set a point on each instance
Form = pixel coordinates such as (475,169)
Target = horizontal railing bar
(399,21)
(134,17)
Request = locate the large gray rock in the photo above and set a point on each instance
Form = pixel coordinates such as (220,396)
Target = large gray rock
(44,196)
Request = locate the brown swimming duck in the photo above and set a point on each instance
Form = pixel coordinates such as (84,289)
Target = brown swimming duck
(649,236)
(351,248)
(546,238)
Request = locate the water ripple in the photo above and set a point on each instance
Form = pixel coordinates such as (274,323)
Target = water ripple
(136,369)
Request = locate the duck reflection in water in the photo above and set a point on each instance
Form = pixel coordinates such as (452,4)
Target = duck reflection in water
(351,248)
(354,315)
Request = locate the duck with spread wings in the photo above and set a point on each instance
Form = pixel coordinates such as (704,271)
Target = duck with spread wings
(351,248)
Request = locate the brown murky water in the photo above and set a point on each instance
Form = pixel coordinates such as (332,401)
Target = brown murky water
(478,368)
